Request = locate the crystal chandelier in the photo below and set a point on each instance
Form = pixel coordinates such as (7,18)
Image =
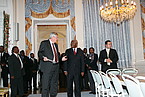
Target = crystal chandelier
(119,11)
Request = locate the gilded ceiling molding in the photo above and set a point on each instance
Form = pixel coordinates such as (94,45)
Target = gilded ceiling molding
(143,9)
(50,11)
(28,25)
(73,23)
(29,45)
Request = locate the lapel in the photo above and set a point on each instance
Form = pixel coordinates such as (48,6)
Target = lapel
(50,48)
(105,53)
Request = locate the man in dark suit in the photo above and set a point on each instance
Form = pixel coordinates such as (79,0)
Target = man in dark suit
(92,65)
(49,65)
(4,65)
(74,68)
(34,69)
(16,73)
(27,67)
(108,57)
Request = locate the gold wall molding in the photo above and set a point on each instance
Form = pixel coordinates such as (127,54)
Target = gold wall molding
(28,25)
(73,25)
(143,24)
(143,9)
(29,49)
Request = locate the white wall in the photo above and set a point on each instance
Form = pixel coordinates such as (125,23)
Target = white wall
(19,13)
(136,41)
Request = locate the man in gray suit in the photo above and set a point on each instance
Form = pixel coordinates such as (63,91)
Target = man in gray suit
(49,65)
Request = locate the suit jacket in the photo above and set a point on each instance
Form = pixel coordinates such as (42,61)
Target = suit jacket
(15,67)
(45,50)
(93,64)
(4,61)
(75,63)
(112,55)
(34,65)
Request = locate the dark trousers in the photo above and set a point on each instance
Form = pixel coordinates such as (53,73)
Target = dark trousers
(76,79)
(5,78)
(34,77)
(17,87)
(50,82)
(25,83)
(92,83)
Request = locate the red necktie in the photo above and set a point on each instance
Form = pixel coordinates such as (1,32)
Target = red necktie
(55,54)
(75,51)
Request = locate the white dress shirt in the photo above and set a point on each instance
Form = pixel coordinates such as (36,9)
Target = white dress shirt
(52,49)
(108,51)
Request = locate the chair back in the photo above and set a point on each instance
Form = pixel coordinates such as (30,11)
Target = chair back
(106,80)
(114,71)
(132,85)
(142,83)
(117,83)
(130,71)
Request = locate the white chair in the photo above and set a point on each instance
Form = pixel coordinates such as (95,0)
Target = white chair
(100,89)
(95,80)
(132,85)
(114,71)
(130,71)
(142,83)
(107,84)
(119,91)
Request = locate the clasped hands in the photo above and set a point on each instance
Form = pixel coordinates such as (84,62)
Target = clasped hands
(108,60)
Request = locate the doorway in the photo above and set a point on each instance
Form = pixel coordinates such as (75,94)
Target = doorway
(43,32)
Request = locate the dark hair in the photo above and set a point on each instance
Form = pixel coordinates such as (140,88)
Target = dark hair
(85,49)
(91,48)
(14,48)
(107,41)
(31,53)
(2,46)
(22,51)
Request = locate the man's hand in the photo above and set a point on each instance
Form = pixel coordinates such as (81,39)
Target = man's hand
(12,77)
(66,73)
(45,59)
(108,60)
(64,58)
(82,73)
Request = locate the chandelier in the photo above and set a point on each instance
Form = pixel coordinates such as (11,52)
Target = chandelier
(119,11)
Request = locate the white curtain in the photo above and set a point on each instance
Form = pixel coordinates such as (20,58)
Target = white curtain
(97,32)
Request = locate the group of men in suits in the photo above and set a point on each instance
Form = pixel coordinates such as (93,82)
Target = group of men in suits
(22,69)
(75,62)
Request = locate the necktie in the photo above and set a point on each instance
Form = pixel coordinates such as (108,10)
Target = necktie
(0,57)
(55,53)
(75,51)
